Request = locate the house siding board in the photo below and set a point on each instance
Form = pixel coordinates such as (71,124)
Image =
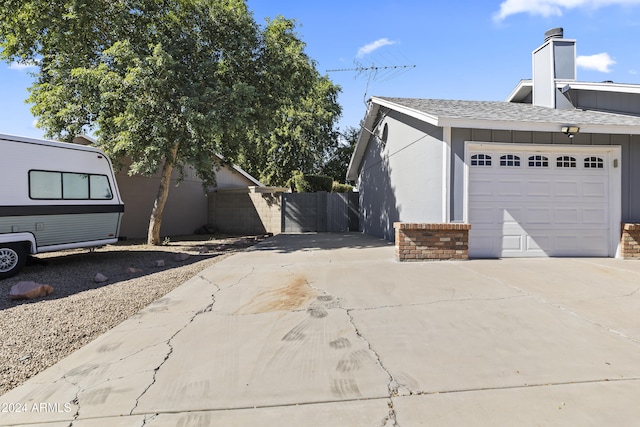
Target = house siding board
(606,101)
(401,180)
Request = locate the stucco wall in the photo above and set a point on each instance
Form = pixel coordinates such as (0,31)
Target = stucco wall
(401,175)
(186,208)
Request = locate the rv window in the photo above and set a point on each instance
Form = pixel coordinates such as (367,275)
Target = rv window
(75,186)
(45,185)
(68,186)
(99,186)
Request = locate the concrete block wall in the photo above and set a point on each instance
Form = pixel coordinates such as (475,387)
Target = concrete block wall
(245,211)
(431,242)
(630,241)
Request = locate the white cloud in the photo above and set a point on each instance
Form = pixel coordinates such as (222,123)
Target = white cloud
(600,62)
(364,50)
(21,66)
(548,8)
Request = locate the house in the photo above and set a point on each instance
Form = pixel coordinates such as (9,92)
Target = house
(552,171)
(187,206)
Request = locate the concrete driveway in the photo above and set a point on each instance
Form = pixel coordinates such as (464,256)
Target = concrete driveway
(329,330)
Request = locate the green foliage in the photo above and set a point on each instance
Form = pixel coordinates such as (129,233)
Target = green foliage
(144,76)
(299,132)
(299,184)
(339,156)
(341,188)
(307,183)
(175,82)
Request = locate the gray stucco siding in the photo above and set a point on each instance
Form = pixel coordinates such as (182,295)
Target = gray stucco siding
(401,177)
(630,161)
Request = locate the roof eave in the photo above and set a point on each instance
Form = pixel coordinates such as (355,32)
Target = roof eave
(363,140)
(521,91)
(411,112)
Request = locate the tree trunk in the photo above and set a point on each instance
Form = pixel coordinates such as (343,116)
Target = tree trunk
(155,222)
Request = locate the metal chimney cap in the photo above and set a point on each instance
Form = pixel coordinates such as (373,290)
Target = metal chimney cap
(554,33)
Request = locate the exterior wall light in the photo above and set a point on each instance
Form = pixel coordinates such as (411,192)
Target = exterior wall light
(570,131)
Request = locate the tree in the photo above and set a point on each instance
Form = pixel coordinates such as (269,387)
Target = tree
(337,162)
(303,109)
(167,84)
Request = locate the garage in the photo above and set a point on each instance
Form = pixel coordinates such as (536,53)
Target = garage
(542,200)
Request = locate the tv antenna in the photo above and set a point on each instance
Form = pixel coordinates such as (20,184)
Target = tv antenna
(375,73)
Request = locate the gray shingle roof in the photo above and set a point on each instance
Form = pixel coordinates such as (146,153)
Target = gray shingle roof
(497,111)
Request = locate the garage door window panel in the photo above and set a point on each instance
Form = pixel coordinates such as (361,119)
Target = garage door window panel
(566,162)
(510,160)
(538,162)
(481,160)
(593,163)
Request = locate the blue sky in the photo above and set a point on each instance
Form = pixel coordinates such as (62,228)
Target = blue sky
(461,49)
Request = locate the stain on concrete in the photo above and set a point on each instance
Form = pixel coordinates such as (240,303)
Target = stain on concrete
(294,295)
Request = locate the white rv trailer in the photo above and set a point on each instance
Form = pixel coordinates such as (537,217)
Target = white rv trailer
(54,196)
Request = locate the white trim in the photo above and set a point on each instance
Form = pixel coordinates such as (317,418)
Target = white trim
(613,153)
(525,87)
(353,170)
(446,175)
(416,114)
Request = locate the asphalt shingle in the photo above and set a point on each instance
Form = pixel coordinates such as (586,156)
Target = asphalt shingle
(509,111)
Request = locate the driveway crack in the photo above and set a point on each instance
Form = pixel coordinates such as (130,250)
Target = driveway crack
(205,309)
(393,385)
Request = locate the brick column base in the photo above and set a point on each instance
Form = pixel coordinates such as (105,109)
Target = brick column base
(630,241)
(431,242)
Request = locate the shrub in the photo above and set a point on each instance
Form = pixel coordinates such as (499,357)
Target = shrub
(341,188)
(310,183)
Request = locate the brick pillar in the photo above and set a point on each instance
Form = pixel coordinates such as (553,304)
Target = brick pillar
(431,242)
(630,241)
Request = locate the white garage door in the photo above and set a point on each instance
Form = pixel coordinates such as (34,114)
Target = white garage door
(540,201)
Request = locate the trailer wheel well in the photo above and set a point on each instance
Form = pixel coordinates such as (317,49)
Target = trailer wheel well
(13,256)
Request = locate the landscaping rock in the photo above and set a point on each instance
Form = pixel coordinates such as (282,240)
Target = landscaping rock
(133,270)
(99,278)
(181,257)
(29,290)
(160,263)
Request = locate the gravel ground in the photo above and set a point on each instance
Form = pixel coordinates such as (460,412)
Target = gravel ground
(35,334)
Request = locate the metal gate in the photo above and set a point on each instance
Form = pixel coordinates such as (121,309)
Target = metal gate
(320,212)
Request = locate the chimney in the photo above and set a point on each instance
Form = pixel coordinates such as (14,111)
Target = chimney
(553,61)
